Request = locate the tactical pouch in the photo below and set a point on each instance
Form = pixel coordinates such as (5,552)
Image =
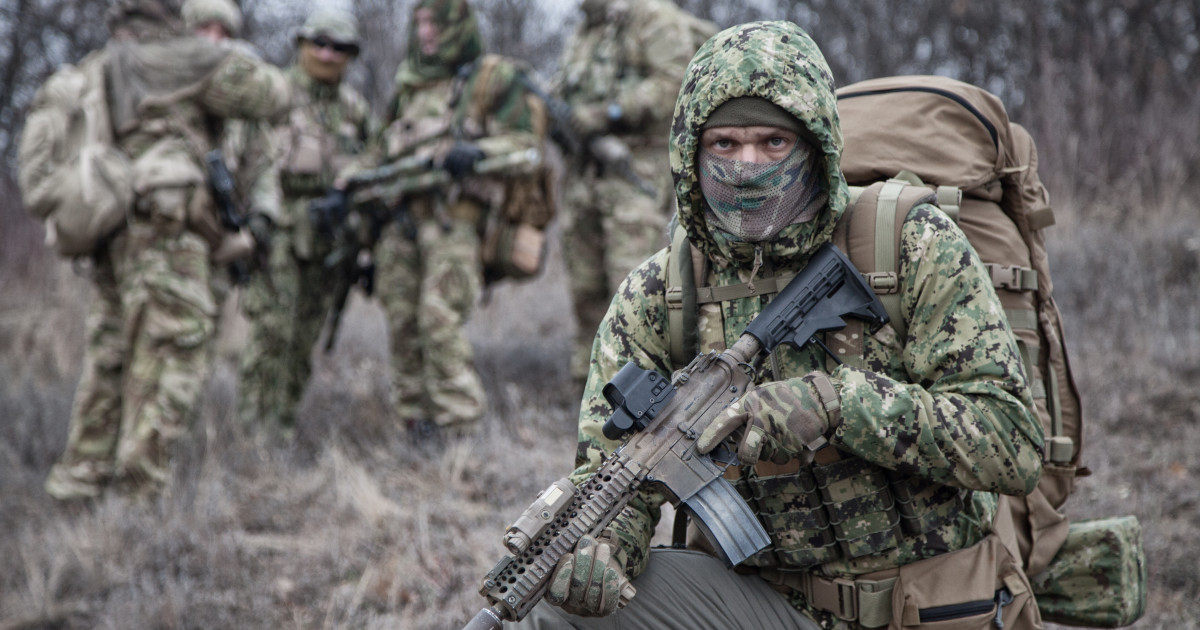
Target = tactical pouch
(975,588)
(860,504)
(790,508)
(1098,578)
(513,250)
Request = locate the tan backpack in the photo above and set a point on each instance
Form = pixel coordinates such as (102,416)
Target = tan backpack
(957,139)
(71,174)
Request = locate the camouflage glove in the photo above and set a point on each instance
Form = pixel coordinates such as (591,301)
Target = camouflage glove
(461,159)
(590,582)
(783,420)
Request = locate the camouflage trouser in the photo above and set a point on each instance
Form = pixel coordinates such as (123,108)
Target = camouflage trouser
(609,227)
(683,590)
(428,288)
(149,332)
(287,309)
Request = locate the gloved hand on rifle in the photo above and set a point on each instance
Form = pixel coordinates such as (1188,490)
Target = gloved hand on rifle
(590,582)
(329,211)
(462,158)
(783,420)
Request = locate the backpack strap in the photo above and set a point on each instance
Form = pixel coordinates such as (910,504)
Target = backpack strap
(682,307)
(874,223)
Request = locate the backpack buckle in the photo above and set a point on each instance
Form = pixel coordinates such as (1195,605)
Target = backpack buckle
(883,282)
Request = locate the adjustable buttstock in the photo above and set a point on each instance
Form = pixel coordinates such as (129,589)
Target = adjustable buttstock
(817,300)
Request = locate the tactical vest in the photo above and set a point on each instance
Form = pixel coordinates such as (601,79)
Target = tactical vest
(841,507)
(323,132)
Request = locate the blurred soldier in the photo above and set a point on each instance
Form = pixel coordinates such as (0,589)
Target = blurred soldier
(620,76)
(458,106)
(152,320)
(329,123)
(248,147)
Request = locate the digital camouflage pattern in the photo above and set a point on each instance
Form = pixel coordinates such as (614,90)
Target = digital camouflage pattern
(150,327)
(326,128)
(429,264)
(1099,576)
(942,415)
(633,55)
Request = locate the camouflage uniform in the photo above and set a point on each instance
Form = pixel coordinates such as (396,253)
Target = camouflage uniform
(944,412)
(152,319)
(248,146)
(429,268)
(327,126)
(621,72)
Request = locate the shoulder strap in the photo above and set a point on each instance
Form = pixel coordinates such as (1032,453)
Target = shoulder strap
(682,310)
(874,224)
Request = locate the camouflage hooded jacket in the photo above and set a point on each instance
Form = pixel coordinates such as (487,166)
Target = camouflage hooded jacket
(948,404)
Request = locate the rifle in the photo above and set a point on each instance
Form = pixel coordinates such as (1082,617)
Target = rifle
(354,216)
(220,182)
(661,421)
(607,151)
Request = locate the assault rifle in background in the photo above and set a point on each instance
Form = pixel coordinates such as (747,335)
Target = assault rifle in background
(607,152)
(224,191)
(354,216)
(661,420)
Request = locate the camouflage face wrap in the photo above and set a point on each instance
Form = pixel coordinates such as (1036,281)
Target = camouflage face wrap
(788,70)
(459,41)
(755,201)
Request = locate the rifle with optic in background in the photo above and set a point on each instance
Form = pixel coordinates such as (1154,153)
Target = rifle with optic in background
(660,420)
(354,217)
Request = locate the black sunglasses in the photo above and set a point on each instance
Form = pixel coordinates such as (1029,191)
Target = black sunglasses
(346,49)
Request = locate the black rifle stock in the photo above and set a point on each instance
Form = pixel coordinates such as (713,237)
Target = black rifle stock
(224,193)
(662,419)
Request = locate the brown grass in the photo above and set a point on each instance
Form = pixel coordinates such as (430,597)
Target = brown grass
(351,526)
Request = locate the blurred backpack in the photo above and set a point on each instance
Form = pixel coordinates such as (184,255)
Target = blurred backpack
(514,242)
(910,137)
(71,174)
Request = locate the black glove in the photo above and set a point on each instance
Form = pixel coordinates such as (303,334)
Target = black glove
(461,159)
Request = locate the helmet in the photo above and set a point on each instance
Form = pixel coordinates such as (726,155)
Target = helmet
(335,24)
(197,13)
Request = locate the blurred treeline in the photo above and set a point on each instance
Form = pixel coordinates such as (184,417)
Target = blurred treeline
(1108,87)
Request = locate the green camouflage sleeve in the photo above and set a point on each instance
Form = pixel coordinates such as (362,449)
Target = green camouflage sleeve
(634,329)
(504,104)
(964,417)
(245,87)
(657,40)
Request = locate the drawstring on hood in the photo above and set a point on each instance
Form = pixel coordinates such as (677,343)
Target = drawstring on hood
(781,64)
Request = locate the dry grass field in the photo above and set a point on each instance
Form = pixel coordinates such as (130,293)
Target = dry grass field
(350,526)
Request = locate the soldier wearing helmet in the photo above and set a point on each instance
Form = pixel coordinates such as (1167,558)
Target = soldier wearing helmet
(151,324)
(328,125)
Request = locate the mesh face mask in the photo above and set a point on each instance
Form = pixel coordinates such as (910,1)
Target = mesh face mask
(755,201)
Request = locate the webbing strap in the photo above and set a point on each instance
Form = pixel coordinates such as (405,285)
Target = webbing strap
(1013,277)
(869,602)
(949,199)
(887,251)
(681,304)
(761,286)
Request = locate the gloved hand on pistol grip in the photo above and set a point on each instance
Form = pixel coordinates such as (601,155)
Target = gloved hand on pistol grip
(783,420)
(590,582)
